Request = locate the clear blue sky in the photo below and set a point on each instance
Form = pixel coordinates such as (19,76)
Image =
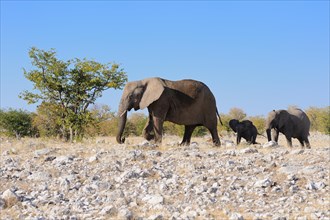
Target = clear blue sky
(254,55)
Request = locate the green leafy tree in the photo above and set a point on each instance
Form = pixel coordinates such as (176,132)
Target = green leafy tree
(72,86)
(16,123)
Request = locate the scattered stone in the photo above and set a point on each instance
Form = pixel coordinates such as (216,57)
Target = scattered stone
(320,185)
(2,204)
(41,152)
(263,183)
(9,199)
(156,217)
(153,199)
(228,143)
(249,151)
(93,158)
(136,155)
(13,151)
(63,160)
(298,151)
(126,214)
(134,181)
(270,144)
(39,176)
(236,216)
(230,163)
(50,158)
(311,186)
(289,169)
(147,144)
(100,142)
(108,210)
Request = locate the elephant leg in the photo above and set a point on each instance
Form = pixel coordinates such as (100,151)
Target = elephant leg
(188,130)
(275,134)
(158,129)
(215,136)
(238,138)
(306,141)
(289,140)
(254,139)
(148,129)
(301,141)
(250,140)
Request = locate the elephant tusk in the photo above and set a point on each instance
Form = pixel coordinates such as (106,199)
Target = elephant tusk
(121,115)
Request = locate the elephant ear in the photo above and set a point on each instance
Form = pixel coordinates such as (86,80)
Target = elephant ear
(283,118)
(154,88)
(233,124)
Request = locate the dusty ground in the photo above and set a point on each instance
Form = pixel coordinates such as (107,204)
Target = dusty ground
(99,179)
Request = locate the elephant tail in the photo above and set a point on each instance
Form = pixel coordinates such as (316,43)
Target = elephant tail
(262,135)
(218,116)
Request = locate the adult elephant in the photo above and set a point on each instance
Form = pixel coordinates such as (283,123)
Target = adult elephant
(293,123)
(185,102)
(244,129)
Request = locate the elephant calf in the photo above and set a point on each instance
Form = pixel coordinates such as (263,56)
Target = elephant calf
(293,123)
(244,129)
(186,102)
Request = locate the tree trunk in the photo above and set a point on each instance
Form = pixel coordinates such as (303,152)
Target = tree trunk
(71,134)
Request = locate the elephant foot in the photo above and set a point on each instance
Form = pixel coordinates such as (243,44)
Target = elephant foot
(184,143)
(149,137)
(217,143)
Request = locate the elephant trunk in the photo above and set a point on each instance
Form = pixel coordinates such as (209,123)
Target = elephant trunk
(268,131)
(269,127)
(122,113)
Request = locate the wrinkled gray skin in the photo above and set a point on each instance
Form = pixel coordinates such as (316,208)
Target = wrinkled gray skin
(293,123)
(244,129)
(184,102)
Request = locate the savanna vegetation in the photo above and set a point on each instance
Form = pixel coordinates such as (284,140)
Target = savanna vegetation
(67,91)
(103,122)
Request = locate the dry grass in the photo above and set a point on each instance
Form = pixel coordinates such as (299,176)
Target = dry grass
(86,147)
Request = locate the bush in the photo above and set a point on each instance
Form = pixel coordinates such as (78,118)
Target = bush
(170,128)
(200,131)
(17,123)
(103,123)
(225,123)
(178,130)
(138,121)
(104,128)
(234,113)
(259,122)
(320,119)
(109,127)
(237,113)
(47,120)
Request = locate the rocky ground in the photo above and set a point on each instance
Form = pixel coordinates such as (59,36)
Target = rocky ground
(99,179)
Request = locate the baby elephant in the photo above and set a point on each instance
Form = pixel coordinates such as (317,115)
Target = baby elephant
(244,129)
